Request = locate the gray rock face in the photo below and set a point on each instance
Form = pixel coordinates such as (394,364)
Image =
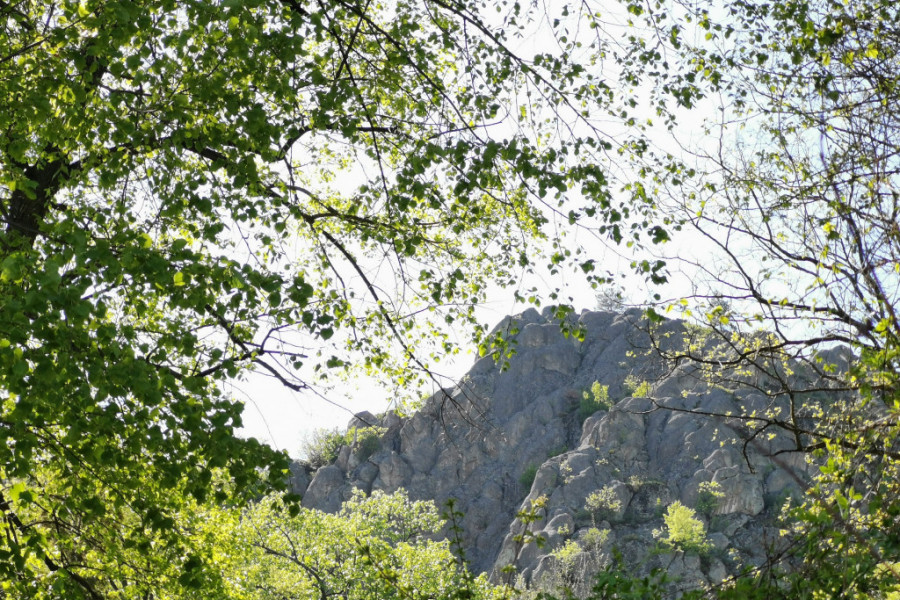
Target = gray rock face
(326,490)
(477,442)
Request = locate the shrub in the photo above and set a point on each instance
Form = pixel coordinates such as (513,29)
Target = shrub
(775,501)
(603,503)
(684,531)
(592,401)
(610,298)
(528,475)
(582,515)
(708,497)
(568,552)
(636,482)
(556,582)
(594,539)
(321,447)
(638,388)
(368,440)
(561,449)
(718,523)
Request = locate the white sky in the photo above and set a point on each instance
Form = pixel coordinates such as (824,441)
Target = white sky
(283,418)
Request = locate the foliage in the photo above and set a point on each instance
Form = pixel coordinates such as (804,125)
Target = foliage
(367,442)
(637,388)
(636,481)
(195,190)
(708,497)
(594,539)
(603,504)
(557,451)
(568,552)
(836,512)
(528,475)
(322,446)
(534,512)
(569,557)
(791,198)
(684,531)
(151,544)
(596,399)
(609,298)
(574,566)
(614,583)
(834,515)
(376,547)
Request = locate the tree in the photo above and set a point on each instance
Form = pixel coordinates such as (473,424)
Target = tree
(191,190)
(684,531)
(795,194)
(376,547)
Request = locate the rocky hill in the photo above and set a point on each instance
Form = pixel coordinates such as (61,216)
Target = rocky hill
(606,475)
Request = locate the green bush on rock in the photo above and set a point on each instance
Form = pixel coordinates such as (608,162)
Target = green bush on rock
(323,445)
(684,531)
(591,402)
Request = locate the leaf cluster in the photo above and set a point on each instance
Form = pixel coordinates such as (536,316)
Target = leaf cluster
(592,401)
(322,446)
(684,531)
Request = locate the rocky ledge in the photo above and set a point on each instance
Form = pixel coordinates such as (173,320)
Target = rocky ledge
(599,438)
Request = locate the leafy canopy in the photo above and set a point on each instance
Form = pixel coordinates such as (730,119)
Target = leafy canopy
(190,190)
(376,547)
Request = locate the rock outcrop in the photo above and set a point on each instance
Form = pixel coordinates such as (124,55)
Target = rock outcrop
(499,441)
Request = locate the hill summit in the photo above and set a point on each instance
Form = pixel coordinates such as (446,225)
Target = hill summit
(615,451)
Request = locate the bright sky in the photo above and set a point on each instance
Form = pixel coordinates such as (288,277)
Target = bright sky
(284,418)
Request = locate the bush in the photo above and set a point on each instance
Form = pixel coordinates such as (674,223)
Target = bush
(570,558)
(708,497)
(637,388)
(684,531)
(582,515)
(528,475)
(368,440)
(591,402)
(594,539)
(568,552)
(561,449)
(323,445)
(603,503)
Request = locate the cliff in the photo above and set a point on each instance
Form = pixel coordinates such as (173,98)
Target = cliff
(498,441)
